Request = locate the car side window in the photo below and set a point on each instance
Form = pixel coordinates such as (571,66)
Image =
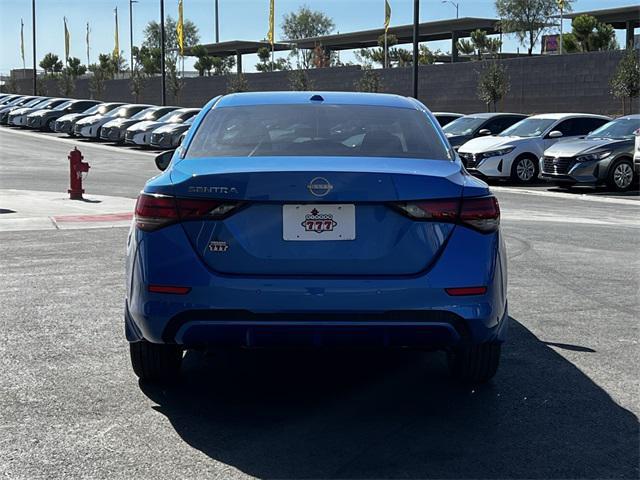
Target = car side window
(587,125)
(566,127)
(495,126)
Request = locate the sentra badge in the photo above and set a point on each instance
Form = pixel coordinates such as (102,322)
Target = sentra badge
(213,189)
(314,221)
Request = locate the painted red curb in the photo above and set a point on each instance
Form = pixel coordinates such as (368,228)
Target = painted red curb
(107,217)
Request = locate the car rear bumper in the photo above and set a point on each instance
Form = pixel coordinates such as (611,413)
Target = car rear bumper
(237,310)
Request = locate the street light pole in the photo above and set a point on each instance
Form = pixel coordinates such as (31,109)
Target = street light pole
(162,48)
(217,24)
(457,5)
(131,2)
(416,33)
(33,31)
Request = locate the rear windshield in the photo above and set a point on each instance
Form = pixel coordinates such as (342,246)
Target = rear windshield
(317,130)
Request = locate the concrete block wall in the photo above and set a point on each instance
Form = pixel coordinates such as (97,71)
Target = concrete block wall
(568,83)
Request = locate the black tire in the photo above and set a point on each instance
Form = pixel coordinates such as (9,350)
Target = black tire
(155,362)
(526,174)
(621,176)
(50,125)
(475,364)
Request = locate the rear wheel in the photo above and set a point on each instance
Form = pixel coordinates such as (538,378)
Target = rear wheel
(621,175)
(475,364)
(524,170)
(155,362)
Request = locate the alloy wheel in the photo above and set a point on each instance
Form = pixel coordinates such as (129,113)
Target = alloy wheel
(623,175)
(525,169)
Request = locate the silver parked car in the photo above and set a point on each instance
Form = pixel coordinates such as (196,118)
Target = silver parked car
(605,156)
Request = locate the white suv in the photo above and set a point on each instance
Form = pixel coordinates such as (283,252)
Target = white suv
(515,152)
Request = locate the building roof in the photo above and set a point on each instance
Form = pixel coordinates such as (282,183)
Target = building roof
(429,31)
(235,47)
(616,17)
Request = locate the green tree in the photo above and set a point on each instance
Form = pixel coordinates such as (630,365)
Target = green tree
(66,83)
(466,47)
(267,65)
(592,35)
(223,65)
(369,82)
(493,84)
(528,18)
(237,83)
(305,23)
(152,37)
(10,86)
(75,67)
(97,81)
(51,64)
(299,81)
(174,82)
(625,82)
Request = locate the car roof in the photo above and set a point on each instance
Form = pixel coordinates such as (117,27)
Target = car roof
(560,116)
(630,117)
(448,113)
(328,98)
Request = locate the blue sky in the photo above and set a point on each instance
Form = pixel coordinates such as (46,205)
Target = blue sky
(239,19)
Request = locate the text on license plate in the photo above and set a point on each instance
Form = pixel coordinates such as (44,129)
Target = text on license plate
(319,222)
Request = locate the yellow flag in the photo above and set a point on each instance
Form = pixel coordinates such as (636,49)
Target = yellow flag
(180,28)
(270,35)
(67,37)
(22,41)
(387,15)
(116,48)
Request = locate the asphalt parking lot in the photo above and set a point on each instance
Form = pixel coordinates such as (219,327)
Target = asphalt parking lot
(564,404)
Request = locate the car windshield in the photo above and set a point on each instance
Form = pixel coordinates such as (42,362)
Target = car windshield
(172,117)
(317,130)
(34,102)
(118,112)
(529,127)
(190,120)
(621,128)
(94,109)
(463,126)
(146,114)
(64,105)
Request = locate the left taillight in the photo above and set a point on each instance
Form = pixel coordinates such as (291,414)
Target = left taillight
(155,211)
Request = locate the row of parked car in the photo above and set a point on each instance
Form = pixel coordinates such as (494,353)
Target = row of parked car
(563,148)
(136,124)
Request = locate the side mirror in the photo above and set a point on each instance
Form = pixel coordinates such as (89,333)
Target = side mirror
(484,132)
(164,159)
(555,134)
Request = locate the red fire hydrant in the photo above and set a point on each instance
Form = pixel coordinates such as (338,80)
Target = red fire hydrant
(76,168)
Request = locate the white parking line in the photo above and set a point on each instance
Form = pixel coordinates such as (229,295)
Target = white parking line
(78,142)
(588,198)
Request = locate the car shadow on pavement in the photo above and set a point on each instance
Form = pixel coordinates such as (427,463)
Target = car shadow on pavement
(397,415)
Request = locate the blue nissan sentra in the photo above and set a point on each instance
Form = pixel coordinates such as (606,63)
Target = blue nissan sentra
(315,219)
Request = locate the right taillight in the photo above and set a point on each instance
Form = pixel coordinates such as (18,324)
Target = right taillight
(479,213)
(154,211)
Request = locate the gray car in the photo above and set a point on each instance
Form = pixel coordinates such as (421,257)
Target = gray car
(468,127)
(605,156)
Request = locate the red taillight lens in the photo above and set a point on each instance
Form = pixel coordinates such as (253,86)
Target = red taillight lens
(442,210)
(156,211)
(169,289)
(464,291)
(482,213)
